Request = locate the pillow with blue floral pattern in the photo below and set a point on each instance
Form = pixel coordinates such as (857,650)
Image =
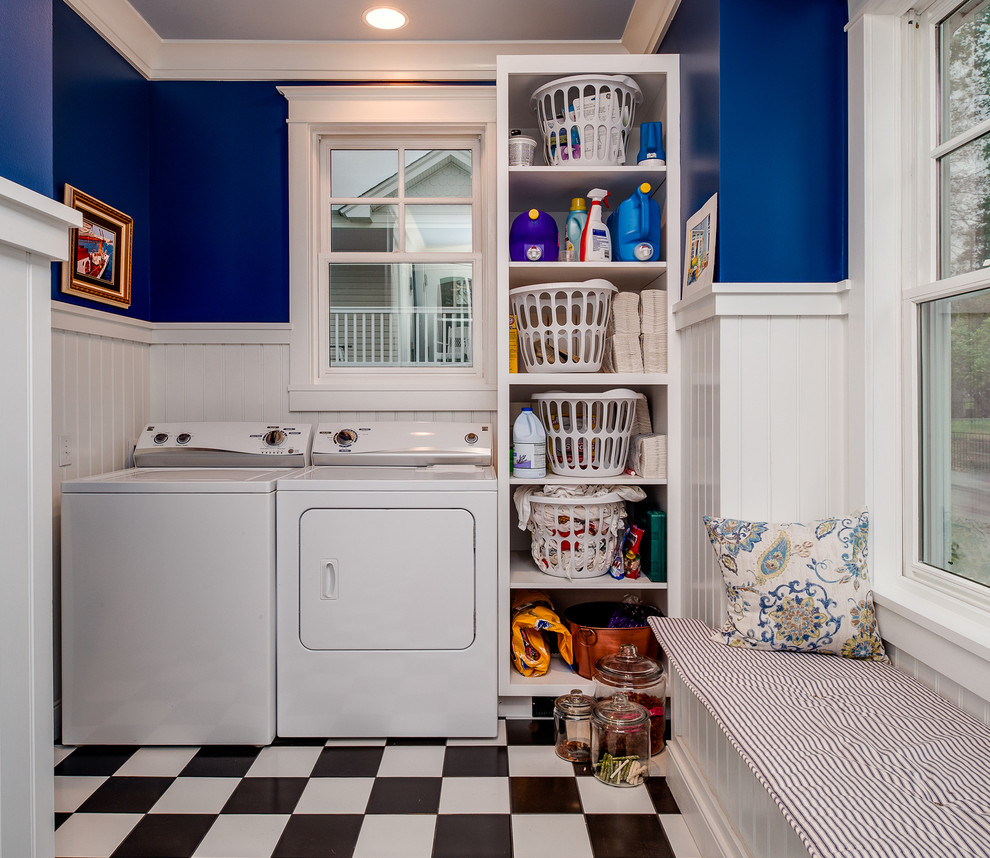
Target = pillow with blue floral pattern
(799,587)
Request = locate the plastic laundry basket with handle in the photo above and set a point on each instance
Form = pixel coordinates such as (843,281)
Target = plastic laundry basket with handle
(562,327)
(586,119)
(587,433)
(575,537)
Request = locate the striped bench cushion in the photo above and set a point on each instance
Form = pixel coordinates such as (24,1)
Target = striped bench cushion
(863,761)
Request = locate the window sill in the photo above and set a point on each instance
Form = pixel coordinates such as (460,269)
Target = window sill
(392,398)
(951,639)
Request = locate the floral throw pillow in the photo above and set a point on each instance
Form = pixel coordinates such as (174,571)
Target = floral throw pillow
(799,587)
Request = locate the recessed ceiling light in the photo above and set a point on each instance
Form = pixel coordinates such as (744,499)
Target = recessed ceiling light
(384,18)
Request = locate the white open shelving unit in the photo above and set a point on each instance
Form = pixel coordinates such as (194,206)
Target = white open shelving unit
(550,189)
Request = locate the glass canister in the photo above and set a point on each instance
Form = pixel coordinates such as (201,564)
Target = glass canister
(642,680)
(572,726)
(620,741)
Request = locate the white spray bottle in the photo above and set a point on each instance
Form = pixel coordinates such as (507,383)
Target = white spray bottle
(596,243)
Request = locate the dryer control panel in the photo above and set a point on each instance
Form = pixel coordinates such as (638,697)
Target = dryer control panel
(402,444)
(223,445)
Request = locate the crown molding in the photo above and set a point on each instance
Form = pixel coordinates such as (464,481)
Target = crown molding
(647,25)
(178,59)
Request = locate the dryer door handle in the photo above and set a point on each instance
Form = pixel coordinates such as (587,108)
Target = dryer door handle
(328,580)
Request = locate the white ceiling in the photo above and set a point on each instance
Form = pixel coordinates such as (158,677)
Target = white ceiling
(327,39)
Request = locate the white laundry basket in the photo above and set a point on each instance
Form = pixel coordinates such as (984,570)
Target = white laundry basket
(587,433)
(586,119)
(575,537)
(562,327)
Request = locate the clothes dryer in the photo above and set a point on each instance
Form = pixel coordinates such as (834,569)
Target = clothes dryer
(168,588)
(387,583)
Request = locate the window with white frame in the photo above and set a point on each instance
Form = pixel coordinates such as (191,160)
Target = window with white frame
(391,256)
(952,312)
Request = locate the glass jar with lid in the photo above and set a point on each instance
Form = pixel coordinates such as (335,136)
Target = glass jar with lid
(620,741)
(642,680)
(572,726)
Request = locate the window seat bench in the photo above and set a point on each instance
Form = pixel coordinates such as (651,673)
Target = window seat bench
(792,754)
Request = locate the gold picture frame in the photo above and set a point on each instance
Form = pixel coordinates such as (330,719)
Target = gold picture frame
(99,265)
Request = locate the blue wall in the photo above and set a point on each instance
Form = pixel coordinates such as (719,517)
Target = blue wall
(763,124)
(694,34)
(220,202)
(101,121)
(26,93)
(782,116)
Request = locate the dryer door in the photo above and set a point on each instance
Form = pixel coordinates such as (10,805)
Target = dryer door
(386,579)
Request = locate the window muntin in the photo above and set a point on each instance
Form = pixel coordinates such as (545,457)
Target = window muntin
(400,257)
(964,68)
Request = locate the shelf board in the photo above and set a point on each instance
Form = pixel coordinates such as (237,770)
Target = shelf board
(588,379)
(524,575)
(589,479)
(559,679)
(552,188)
(623,275)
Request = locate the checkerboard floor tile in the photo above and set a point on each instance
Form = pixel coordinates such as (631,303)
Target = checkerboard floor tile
(508,797)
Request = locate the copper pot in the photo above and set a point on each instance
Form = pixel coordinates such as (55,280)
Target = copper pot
(592,639)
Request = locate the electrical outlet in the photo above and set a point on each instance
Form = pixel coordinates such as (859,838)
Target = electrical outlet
(64,450)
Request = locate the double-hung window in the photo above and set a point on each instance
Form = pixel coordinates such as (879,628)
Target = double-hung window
(952,313)
(391,248)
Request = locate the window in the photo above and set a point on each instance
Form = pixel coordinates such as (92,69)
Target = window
(400,256)
(391,198)
(953,311)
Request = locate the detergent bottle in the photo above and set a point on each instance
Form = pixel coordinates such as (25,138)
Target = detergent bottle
(596,245)
(529,446)
(573,228)
(635,227)
(533,237)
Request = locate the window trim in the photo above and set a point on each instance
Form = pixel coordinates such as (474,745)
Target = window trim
(893,205)
(316,112)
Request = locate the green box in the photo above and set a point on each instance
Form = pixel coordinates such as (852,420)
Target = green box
(653,548)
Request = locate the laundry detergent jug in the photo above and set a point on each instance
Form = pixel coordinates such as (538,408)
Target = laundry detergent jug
(635,227)
(533,237)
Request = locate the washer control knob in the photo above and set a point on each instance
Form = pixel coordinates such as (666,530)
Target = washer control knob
(471,438)
(274,437)
(184,438)
(345,437)
(161,437)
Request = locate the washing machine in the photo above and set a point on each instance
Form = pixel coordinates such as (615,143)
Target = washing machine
(387,583)
(168,588)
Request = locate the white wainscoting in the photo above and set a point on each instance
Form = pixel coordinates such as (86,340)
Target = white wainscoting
(211,377)
(764,416)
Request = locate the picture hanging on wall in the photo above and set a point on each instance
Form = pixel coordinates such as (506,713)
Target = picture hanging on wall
(99,266)
(699,249)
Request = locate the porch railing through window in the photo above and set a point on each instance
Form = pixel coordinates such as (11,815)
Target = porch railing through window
(415,336)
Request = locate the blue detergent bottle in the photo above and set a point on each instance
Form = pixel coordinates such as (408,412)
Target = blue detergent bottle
(635,227)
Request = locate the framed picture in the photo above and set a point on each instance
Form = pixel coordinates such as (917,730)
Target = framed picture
(99,266)
(699,249)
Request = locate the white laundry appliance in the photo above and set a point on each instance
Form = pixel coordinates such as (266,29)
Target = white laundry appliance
(387,583)
(168,588)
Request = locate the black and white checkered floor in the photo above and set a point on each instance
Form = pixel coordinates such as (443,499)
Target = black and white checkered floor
(510,797)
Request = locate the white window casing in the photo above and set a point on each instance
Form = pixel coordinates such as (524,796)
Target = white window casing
(893,235)
(431,114)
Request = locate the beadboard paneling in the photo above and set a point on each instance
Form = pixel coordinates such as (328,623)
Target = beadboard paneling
(245,381)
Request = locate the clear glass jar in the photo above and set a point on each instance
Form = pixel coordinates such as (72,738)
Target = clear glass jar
(572,726)
(620,741)
(642,680)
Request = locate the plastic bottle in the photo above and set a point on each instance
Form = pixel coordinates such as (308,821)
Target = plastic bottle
(634,227)
(573,228)
(529,446)
(533,237)
(596,245)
